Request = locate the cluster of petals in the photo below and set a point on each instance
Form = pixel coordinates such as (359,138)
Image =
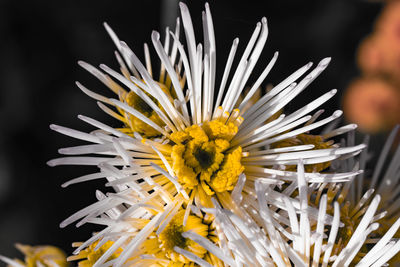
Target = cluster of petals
(253,201)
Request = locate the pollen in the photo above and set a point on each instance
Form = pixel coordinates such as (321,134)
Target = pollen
(201,158)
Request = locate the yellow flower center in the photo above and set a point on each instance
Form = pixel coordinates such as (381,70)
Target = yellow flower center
(171,236)
(134,124)
(138,103)
(137,125)
(46,255)
(306,139)
(351,221)
(205,156)
(350,216)
(90,255)
(201,157)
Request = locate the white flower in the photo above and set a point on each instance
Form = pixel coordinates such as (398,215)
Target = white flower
(197,148)
(357,194)
(277,229)
(385,176)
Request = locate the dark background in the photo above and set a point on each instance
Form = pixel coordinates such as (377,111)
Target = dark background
(41,41)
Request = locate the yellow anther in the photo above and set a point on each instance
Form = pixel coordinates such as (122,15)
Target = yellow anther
(224,117)
(218,113)
(238,121)
(235,113)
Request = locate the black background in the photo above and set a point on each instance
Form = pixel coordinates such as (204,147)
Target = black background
(41,41)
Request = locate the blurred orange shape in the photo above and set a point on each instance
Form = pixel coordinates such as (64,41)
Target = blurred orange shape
(388,23)
(378,54)
(372,103)
(370,55)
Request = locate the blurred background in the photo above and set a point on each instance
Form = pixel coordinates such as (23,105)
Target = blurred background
(41,41)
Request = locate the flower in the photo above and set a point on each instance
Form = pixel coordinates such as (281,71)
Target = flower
(281,228)
(156,240)
(199,151)
(49,256)
(359,192)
